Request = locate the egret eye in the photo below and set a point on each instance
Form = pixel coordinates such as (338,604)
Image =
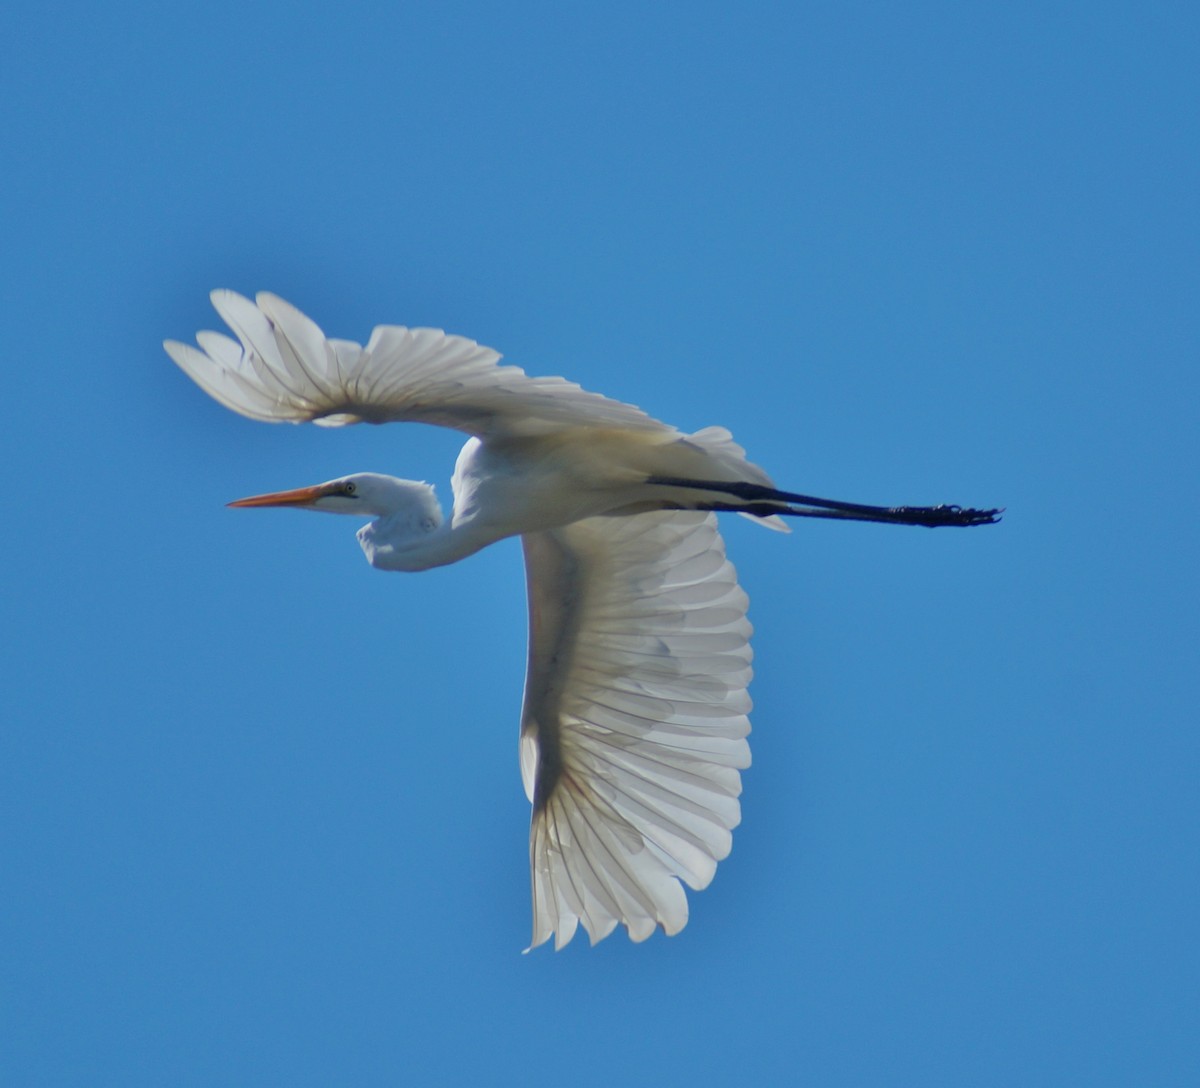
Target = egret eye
(348,487)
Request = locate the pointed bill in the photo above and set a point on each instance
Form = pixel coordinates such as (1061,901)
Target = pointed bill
(300,496)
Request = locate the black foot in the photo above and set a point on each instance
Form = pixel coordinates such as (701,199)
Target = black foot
(934,516)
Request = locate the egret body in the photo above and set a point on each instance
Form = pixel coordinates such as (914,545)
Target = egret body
(634,724)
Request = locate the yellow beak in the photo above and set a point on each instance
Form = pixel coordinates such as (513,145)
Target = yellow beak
(300,496)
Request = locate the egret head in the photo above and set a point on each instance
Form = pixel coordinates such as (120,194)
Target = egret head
(406,530)
(367,494)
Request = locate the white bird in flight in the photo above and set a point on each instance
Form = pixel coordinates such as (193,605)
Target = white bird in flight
(633,730)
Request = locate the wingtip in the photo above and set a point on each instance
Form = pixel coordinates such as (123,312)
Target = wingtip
(218,295)
(232,305)
(268,300)
(177,351)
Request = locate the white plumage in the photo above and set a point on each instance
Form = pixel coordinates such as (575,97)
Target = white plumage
(639,660)
(282,368)
(634,726)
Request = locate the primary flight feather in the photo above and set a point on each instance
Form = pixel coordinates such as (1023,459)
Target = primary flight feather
(634,724)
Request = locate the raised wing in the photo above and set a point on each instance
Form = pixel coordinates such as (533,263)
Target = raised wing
(634,725)
(282,368)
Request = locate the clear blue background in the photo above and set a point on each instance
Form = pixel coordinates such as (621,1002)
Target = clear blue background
(262,821)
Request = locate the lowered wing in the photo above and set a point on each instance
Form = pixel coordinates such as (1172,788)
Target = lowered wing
(282,368)
(634,725)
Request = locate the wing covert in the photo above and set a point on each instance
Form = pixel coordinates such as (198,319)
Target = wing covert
(635,719)
(282,368)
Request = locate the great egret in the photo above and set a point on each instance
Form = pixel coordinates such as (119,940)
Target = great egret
(634,724)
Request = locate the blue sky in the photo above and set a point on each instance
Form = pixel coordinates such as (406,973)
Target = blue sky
(263,821)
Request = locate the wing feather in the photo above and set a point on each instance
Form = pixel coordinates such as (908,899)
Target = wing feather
(282,368)
(634,726)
